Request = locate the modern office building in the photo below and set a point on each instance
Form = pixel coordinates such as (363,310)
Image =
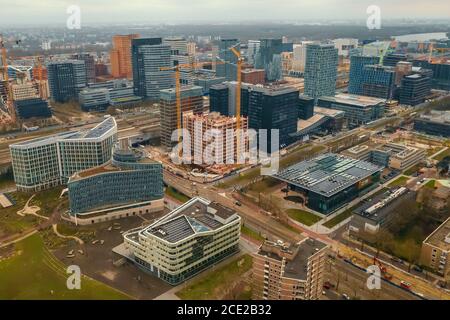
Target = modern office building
(269,58)
(378,213)
(378,81)
(207,81)
(186,241)
(253,76)
(101,95)
(391,59)
(252,50)
(358,110)
(441,73)
(436,123)
(330,181)
(223,98)
(149,57)
(89,64)
(305,107)
(345,46)
(414,89)
(299,56)
(191,100)
(32,108)
(435,252)
(49,161)
(129,184)
(357,64)
(66,79)
(228,67)
(223,138)
(283,271)
(321,70)
(392,155)
(180,56)
(120,56)
(273,107)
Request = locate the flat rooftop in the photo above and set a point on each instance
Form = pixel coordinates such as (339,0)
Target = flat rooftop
(353,99)
(327,174)
(440,237)
(296,255)
(195,216)
(382,205)
(437,116)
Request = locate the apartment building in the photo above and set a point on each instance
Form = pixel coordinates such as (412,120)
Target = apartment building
(186,241)
(435,252)
(284,271)
(222,132)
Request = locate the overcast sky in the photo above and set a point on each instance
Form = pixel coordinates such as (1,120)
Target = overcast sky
(18,12)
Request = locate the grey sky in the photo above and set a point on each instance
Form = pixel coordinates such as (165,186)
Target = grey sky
(156,11)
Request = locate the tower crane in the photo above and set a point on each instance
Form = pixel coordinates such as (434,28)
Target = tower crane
(237,53)
(177,72)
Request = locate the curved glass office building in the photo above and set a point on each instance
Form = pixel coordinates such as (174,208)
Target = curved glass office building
(45,162)
(129,184)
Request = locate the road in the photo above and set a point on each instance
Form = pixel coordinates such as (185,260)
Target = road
(352,281)
(265,224)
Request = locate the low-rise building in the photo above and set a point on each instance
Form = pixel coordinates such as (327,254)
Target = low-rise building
(128,185)
(330,181)
(436,123)
(186,241)
(378,213)
(435,252)
(358,110)
(289,272)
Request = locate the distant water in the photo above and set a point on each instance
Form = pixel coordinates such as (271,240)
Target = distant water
(421,37)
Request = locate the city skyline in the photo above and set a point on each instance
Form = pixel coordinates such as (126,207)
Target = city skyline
(50,12)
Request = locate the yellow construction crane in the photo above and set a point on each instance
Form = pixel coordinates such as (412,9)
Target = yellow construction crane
(177,70)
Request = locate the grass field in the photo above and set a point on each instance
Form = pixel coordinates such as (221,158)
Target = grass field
(442,155)
(251,233)
(34,273)
(400,181)
(172,192)
(413,169)
(213,284)
(304,217)
(338,219)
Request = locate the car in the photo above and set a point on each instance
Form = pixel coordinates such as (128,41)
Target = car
(405,285)
(238,203)
(417,268)
(345,296)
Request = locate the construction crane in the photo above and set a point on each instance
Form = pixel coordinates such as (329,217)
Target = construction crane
(39,71)
(177,72)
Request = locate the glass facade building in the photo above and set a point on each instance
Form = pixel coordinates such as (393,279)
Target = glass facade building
(378,81)
(66,79)
(268,57)
(228,69)
(357,63)
(193,237)
(148,56)
(414,89)
(45,162)
(330,181)
(129,178)
(321,70)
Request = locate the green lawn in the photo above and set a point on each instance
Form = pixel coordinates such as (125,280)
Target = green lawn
(34,273)
(251,233)
(304,217)
(442,155)
(338,219)
(413,169)
(264,184)
(400,181)
(212,285)
(430,184)
(174,193)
